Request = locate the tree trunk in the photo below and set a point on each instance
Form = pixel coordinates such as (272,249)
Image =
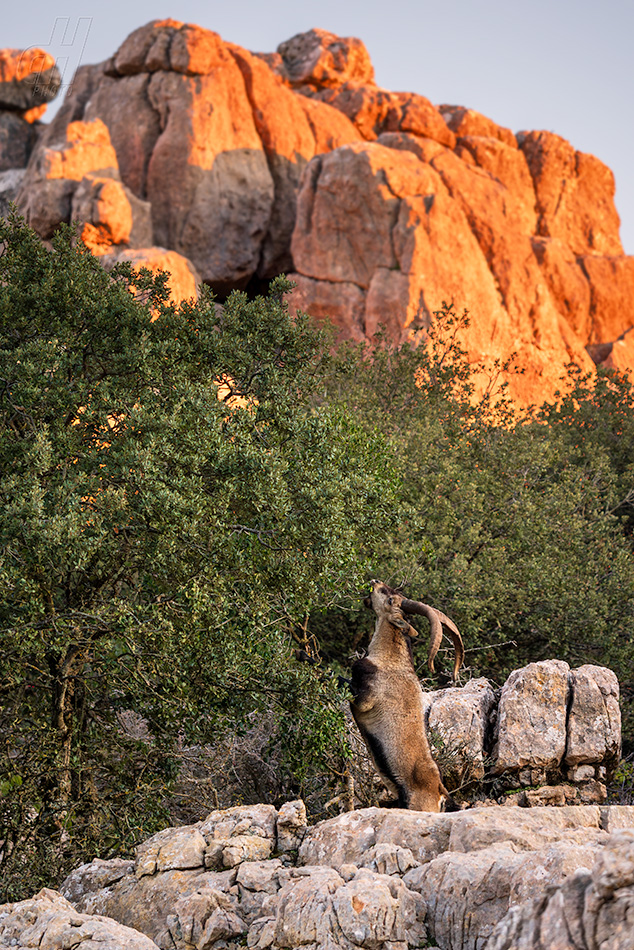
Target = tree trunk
(64,673)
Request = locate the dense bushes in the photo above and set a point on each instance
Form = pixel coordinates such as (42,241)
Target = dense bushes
(184,498)
(157,542)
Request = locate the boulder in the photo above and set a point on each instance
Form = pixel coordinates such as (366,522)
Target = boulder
(391,213)
(10,182)
(232,151)
(288,141)
(292,824)
(532,717)
(373,110)
(49,921)
(183,278)
(317,907)
(461,718)
(46,193)
(376,878)
(110,214)
(463,121)
(28,79)
(594,720)
(330,127)
(318,59)
(208,179)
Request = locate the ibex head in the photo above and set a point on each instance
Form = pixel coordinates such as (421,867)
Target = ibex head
(381,594)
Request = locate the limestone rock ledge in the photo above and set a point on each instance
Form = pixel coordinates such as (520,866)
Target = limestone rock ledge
(379,879)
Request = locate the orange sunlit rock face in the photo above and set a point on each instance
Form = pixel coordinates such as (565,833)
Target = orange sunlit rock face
(28,80)
(183,279)
(104,207)
(236,166)
(87,149)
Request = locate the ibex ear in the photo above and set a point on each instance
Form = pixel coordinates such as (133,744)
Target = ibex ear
(367,602)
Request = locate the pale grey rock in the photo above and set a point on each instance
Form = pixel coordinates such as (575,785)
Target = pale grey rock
(594,723)
(526,829)
(552,795)
(155,903)
(257,820)
(466,894)
(592,792)
(532,717)
(346,838)
(617,817)
(460,717)
(245,848)
(96,876)
(317,907)
(581,773)
(390,878)
(257,881)
(388,858)
(171,849)
(587,911)
(49,922)
(291,826)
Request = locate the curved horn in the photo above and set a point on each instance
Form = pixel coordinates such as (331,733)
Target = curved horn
(438,620)
(435,637)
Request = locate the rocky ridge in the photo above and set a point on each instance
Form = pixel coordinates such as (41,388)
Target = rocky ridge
(380,879)
(379,204)
(493,877)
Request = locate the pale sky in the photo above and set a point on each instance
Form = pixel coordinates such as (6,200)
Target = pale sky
(562,65)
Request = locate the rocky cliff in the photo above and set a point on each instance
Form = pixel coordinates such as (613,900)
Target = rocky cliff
(217,163)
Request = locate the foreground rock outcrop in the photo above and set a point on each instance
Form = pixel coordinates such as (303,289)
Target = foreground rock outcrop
(379,879)
(492,877)
(379,204)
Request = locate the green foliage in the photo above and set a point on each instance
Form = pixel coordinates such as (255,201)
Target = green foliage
(518,527)
(188,492)
(158,543)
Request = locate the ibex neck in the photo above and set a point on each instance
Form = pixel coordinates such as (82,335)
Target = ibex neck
(390,645)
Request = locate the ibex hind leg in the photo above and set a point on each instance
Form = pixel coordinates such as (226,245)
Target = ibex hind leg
(395,787)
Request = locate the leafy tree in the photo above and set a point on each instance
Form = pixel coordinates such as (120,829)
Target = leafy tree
(172,505)
(517,526)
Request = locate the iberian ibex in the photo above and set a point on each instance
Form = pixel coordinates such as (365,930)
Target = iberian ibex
(388,703)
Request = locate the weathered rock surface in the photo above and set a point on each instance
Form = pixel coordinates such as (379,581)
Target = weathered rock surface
(532,717)
(461,717)
(17,140)
(28,79)
(377,878)
(183,280)
(319,59)
(48,921)
(379,204)
(10,182)
(590,910)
